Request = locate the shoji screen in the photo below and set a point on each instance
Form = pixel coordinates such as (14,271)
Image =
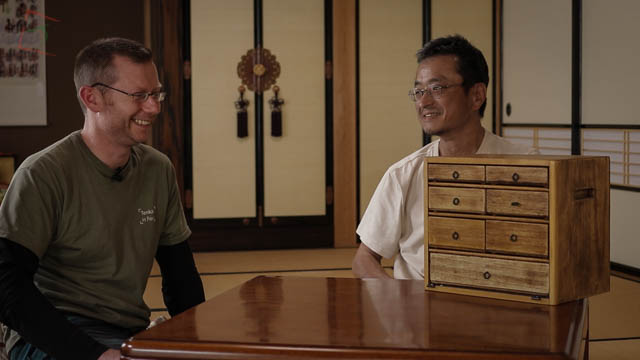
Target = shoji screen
(472,19)
(536,62)
(390,36)
(223,164)
(610,78)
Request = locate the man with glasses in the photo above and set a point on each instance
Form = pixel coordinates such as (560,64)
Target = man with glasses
(450,94)
(84,218)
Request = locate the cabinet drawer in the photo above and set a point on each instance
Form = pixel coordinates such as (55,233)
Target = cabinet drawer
(456,199)
(517,238)
(456,233)
(518,175)
(489,273)
(457,173)
(522,203)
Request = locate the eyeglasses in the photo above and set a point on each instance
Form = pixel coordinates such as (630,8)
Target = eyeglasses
(434,91)
(139,97)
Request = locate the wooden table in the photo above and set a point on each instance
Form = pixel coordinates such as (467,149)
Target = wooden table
(328,318)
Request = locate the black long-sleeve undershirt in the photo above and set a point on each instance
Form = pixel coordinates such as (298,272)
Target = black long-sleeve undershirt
(24,309)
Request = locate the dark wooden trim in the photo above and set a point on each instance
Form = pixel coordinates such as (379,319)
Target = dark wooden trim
(582,126)
(537,125)
(358,181)
(166,42)
(626,269)
(497,66)
(328,110)
(610,126)
(188,143)
(426,37)
(259,117)
(626,188)
(207,238)
(576,75)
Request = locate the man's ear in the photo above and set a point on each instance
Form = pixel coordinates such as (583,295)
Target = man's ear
(478,95)
(91,98)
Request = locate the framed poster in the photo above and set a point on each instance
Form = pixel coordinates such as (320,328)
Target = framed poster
(23,90)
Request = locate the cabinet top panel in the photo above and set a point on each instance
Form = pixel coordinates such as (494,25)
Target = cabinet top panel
(524,160)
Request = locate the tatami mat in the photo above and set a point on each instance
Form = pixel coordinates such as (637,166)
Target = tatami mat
(616,314)
(614,350)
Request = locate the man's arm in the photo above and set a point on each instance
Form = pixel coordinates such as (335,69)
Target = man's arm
(367,264)
(181,284)
(24,309)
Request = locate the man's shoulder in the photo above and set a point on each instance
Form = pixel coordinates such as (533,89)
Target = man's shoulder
(55,156)
(494,144)
(415,159)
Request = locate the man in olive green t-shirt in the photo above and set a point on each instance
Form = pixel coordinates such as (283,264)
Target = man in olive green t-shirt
(84,218)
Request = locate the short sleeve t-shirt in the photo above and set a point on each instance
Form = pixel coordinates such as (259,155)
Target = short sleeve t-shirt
(95,234)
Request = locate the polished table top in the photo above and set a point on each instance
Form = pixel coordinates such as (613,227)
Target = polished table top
(322,318)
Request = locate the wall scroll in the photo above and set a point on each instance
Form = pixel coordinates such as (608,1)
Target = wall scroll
(22,62)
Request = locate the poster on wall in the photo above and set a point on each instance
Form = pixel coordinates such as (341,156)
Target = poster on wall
(23,90)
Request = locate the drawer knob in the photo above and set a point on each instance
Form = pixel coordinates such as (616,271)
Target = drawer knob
(515,177)
(455,235)
(513,237)
(456,201)
(455,175)
(515,203)
(486,275)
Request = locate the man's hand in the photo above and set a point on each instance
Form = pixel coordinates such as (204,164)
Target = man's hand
(110,354)
(366,264)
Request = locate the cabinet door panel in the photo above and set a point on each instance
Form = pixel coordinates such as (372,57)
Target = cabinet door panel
(223,164)
(536,62)
(390,35)
(295,163)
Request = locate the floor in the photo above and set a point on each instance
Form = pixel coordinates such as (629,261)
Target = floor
(614,316)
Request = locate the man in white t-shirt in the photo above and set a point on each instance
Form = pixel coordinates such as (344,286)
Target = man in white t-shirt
(450,93)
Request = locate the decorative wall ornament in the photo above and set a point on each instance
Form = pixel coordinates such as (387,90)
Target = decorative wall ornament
(258,69)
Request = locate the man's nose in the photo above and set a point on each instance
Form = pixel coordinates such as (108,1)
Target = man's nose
(424,100)
(151,106)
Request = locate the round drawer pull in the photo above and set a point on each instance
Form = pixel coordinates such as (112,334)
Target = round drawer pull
(455,235)
(455,175)
(456,201)
(486,275)
(513,237)
(515,177)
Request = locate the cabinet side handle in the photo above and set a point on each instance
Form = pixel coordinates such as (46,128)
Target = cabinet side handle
(581,194)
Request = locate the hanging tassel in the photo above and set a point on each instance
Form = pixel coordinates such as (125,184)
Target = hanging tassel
(243,124)
(241,114)
(276,123)
(276,113)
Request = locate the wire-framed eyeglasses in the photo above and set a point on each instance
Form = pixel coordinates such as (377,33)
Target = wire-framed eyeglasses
(139,97)
(435,91)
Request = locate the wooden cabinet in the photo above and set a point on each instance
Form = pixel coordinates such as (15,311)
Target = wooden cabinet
(525,228)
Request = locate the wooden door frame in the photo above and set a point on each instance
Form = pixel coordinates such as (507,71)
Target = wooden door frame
(168,39)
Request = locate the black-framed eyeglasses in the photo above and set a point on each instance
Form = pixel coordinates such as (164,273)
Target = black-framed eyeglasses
(434,91)
(139,97)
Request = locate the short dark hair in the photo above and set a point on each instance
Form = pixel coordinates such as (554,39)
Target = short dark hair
(94,62)
(472,65)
